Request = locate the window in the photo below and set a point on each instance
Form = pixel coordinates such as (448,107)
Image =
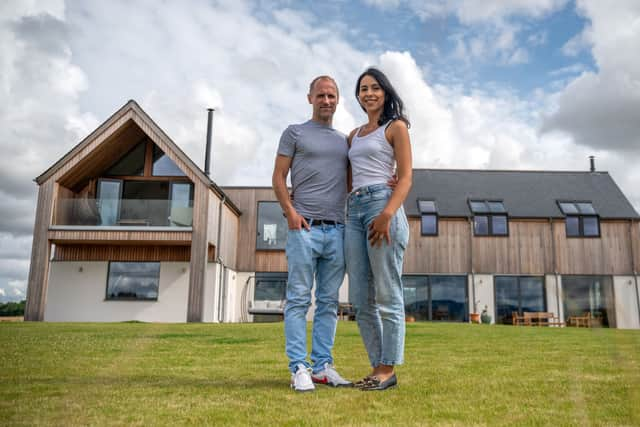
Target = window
(163,165)
(133,281)
(132,163)
(429,217)
(272,227)
(589,294)
(442,298)
(520,294)
(489,218)
(270,287)
(581,219)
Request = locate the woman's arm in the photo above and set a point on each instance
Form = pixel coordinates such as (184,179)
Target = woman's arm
(398,136)
(349,175)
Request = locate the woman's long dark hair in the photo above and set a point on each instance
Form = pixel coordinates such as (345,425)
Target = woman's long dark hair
(393,106)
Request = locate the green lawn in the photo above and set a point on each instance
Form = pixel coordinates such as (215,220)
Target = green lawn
(455,374)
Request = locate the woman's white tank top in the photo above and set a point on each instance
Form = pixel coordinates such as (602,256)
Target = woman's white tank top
(372,158)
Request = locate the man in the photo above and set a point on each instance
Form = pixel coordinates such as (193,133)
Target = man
(316,154)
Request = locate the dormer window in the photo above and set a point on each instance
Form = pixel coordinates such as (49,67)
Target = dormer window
(489,218)
(429,217)
(581,219)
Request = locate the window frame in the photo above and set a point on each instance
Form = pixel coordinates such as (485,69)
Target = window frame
(434,214)
(580,217)
(258,231)
(518,278)
(489,214)
(109,298)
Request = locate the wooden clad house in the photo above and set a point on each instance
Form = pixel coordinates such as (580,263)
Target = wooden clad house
(129,228)
(511,241)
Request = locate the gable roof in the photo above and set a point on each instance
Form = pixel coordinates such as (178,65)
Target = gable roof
(129,113)
(525,194)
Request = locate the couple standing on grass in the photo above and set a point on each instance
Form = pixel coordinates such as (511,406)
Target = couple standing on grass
(328,169)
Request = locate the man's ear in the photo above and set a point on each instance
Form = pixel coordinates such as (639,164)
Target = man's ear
(309,98)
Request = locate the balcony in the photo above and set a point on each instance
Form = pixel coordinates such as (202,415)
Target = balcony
(109,214)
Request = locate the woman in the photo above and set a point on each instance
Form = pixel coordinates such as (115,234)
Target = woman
(377,231)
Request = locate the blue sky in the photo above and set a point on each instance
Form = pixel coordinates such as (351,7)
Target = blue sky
(492,84)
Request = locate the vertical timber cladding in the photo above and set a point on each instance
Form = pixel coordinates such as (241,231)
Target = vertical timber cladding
(526,250)
(199,252)
(604,255)
(247,258)
(39,268)
(635,242)
(448,252)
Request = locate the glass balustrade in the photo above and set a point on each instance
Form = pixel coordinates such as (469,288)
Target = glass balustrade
(124,212)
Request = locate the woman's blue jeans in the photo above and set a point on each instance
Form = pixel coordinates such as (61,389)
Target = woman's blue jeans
(375,275)
(317,254)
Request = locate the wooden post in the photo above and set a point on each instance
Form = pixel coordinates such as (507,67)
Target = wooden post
(199,253)
(40,252)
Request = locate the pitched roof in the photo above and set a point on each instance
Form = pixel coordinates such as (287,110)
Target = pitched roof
(131,111)
(525,194)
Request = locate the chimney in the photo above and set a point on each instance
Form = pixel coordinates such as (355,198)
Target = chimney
(592,162)
(207,153)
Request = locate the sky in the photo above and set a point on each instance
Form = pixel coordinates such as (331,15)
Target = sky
(491,84)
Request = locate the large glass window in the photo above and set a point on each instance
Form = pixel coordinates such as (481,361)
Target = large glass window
(163,165)
(589,294)
(272,227)
(519,294)
(581,219)
(133,281)
(441,298)
(489,218)
(145,203)
(270,287)
(109,196)
(181,214)
(429,217)
(132,163)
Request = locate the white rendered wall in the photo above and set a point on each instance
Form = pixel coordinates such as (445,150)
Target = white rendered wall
(77,292)
(554,300)
(210,297)
(232,296)
(626,302)
(483,294)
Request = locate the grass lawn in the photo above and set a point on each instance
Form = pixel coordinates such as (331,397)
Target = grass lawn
(204,374)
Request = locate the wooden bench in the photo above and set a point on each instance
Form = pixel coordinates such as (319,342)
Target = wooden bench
(536,318)
(580,321)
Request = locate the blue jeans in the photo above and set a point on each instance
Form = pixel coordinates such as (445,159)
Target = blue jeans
(318,254)
(375,275)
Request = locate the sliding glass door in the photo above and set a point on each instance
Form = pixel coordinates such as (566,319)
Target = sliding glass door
(520,294)
(589,294)
(109,196)
(439,298)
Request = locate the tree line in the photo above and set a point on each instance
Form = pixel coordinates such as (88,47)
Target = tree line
(12,308)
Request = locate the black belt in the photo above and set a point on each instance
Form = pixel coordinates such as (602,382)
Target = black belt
(312,222)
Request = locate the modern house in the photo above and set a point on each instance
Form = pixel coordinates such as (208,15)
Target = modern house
(129,228)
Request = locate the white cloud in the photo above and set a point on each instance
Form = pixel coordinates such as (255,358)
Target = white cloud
(600,109)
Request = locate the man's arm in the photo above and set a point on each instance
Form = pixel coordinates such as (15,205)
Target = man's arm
(279,182)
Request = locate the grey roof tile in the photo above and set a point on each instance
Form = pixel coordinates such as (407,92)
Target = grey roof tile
(526,194)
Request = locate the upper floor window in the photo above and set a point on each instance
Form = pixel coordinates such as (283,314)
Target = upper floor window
(489,218)
(581,219)
(272,227)
(429,217)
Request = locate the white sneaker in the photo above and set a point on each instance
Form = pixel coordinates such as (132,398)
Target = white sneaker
(301,379)
(330,376)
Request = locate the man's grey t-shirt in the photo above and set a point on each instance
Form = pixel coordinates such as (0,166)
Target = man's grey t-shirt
(318,169)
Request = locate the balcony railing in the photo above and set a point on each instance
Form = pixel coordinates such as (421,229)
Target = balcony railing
(123,212)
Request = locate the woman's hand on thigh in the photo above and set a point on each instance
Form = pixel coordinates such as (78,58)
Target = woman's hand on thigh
(379,229)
